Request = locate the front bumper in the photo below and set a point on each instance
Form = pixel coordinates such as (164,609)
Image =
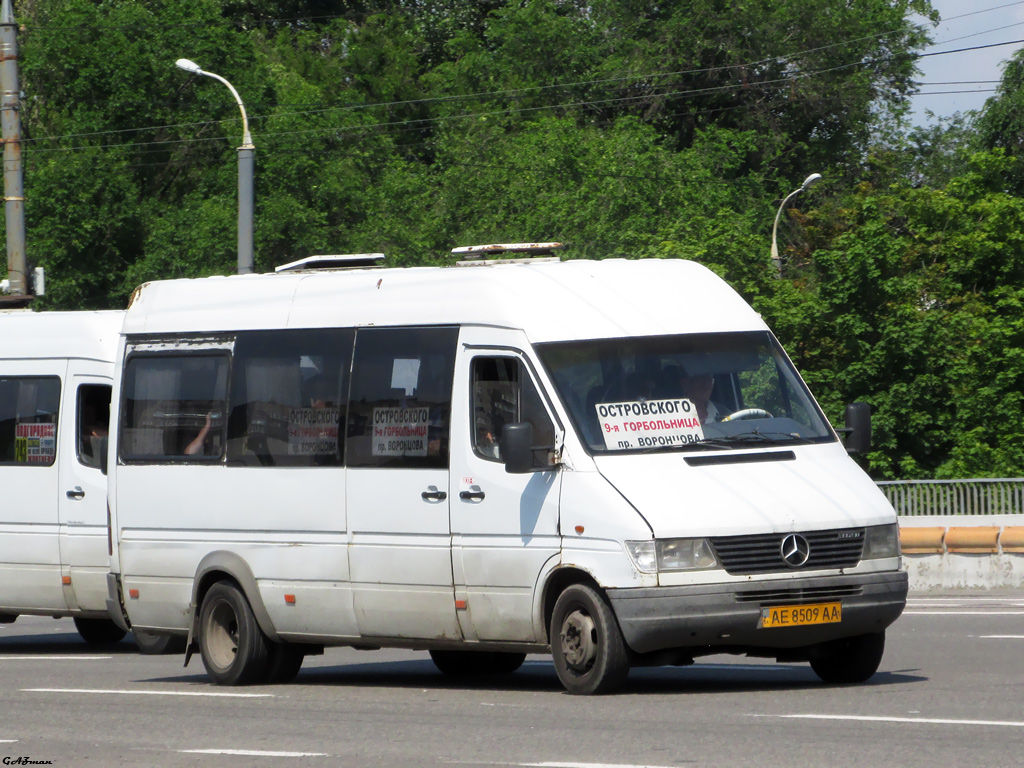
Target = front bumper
(726,616)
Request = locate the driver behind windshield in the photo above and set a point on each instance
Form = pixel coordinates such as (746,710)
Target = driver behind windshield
(697,389)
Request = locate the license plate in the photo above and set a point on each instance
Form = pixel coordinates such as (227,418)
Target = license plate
(800,615)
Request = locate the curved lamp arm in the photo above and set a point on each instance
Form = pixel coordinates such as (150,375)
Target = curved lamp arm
(814,177)
(195,69)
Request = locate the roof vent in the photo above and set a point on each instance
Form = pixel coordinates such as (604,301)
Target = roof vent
(530,251)
(343,261)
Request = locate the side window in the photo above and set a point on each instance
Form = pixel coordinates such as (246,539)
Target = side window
(28,419)
(504,393)
(174,407)
(400,398)
(289,393)
(93,423)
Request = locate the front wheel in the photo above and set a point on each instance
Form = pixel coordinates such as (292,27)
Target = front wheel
(233,647)
(99,631)
(849,660)
(586,643)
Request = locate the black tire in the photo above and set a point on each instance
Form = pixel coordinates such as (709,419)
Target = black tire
(233,647)
(586,643)
(474,663)
(99,631)
(283,664)
(155,644)
(850,660)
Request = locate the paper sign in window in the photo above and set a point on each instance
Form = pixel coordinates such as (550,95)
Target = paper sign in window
(400,431)
(405,374)
(313,431)
(649,424)
(35,443)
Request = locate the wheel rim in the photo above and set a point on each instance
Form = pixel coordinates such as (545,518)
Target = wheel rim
(222,635)
(579,641)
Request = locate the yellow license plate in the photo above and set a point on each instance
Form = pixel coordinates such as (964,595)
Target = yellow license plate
(800,615)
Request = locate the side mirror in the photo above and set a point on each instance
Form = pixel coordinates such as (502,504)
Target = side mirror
(858,428)
(517,447)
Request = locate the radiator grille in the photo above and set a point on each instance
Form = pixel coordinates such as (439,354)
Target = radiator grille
(762,553)
(798,596)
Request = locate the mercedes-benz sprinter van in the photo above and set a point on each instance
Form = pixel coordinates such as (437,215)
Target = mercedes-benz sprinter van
(613,462)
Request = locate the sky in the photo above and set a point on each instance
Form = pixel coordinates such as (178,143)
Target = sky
(955,82)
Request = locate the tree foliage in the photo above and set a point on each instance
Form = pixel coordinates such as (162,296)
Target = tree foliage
(620,127)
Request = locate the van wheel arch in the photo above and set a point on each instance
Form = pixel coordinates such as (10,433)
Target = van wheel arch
(557,582)
(228,566)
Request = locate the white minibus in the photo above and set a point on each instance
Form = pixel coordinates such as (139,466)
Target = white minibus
(613,462)
(56,370)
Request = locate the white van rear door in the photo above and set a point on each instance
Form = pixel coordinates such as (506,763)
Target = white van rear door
(82,497)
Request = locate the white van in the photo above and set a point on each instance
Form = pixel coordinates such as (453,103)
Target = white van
(614,462)
(56,370)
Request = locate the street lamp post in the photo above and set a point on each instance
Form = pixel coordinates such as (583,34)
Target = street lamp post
(246,162)
(775,227)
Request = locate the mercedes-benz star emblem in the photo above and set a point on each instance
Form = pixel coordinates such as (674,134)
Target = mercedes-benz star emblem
(795,550)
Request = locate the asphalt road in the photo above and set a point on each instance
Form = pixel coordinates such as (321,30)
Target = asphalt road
(950,692)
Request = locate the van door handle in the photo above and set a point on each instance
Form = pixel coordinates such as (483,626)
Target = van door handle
(78,493)
(471,495)
(432,494)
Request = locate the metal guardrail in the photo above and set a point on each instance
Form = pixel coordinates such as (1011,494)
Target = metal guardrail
(997,496)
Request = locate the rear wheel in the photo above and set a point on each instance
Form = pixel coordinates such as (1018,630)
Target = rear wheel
(233,647)
(99,631)
(849,660)
(471,663)
(154,644)
(586,644)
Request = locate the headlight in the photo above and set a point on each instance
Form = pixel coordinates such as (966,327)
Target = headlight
(882,541)
(685,555)
(642,555)
(671,555)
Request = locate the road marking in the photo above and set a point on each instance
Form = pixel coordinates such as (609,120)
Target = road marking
(8,741)
(44,657)
(922,720)
(916,600)
(250,753)
(1002,637)
(586,765)
(149,693)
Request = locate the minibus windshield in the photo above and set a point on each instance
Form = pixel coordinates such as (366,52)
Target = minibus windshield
(688,392)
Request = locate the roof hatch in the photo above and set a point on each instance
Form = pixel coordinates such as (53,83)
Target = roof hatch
(342,261)
(499,251)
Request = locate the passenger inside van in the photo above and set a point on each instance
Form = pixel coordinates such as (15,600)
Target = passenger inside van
(198,445)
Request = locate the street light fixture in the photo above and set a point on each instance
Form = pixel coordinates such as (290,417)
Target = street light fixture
(775,227)
(246,161)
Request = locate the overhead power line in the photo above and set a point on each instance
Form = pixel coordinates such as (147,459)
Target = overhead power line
(511,93)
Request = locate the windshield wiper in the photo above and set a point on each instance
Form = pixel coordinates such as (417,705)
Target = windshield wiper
(761,438)
(730,441)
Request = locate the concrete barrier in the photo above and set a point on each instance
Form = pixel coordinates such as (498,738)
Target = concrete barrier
(924,540)
(963,551)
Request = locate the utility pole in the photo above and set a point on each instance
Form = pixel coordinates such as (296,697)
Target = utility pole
(10,117)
